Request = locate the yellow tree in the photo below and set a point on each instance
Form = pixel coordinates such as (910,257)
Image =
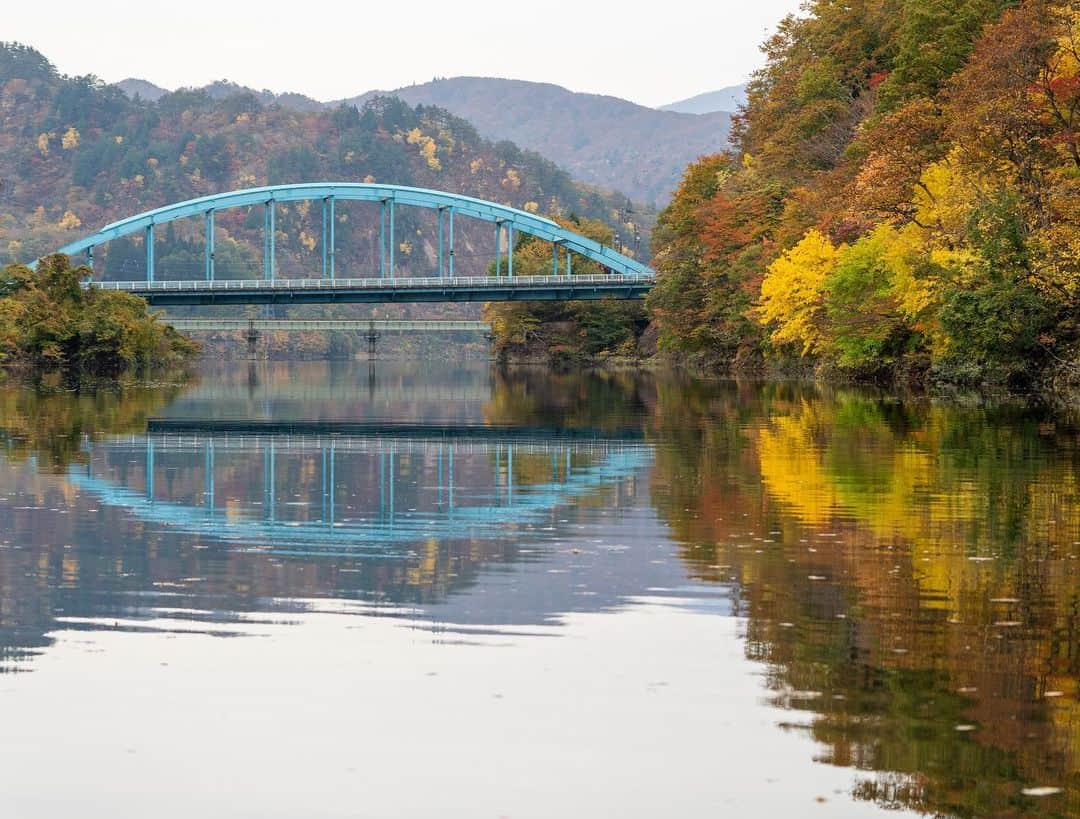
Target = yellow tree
(793,293)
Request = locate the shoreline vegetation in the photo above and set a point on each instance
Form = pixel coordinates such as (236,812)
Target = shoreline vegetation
(899,205)
(50,324)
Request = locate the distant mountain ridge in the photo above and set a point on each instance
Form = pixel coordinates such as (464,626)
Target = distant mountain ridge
(219,90)
(601,140)
(728,99)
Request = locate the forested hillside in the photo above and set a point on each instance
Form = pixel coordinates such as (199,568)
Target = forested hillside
(76,154)
(904,199)
(603,141)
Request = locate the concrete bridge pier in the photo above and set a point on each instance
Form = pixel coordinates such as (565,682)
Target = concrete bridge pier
(252,338)
(372,337)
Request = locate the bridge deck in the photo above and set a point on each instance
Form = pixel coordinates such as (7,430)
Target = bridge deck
(443,289)
(303,325)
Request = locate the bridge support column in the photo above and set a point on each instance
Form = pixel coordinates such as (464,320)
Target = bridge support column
(90,257)
(498,247)
(210,245)
(555,258)
(509,250)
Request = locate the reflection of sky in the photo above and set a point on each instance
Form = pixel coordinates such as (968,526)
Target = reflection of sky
(650,712)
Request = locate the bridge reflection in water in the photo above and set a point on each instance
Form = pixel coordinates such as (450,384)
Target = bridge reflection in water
(347,487)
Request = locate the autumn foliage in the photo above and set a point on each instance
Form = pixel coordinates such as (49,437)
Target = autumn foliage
(902,197)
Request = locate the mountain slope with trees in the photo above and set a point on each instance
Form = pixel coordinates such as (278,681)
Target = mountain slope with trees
(76,154)
(903,199)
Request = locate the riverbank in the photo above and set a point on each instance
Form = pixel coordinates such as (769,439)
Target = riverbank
(1058,384)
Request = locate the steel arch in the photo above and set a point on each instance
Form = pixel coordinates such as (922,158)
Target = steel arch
(520,220)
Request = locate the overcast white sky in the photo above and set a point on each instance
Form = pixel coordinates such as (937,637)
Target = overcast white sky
(650,53)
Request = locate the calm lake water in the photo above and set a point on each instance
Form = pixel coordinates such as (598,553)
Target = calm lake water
(324,590)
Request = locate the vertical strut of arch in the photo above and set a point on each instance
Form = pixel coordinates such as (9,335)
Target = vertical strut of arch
(451,271)
(393,241)
(510,250)
(382,239)
(210,245)
(150,252)
(440,243)
(328,219)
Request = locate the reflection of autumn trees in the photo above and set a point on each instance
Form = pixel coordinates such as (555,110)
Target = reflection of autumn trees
(607,402)
(51,423)
(910,572)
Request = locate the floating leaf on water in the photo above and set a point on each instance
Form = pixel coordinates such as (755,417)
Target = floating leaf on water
(1044,790)
(965,727)
(1007,623)
(1054,694)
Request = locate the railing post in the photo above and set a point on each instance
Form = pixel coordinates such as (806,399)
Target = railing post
(150,253)
(210,245)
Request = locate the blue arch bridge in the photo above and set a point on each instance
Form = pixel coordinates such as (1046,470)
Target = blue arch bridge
(364,486)
(624,277)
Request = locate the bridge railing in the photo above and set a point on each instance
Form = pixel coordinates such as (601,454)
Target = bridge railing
(368,283)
